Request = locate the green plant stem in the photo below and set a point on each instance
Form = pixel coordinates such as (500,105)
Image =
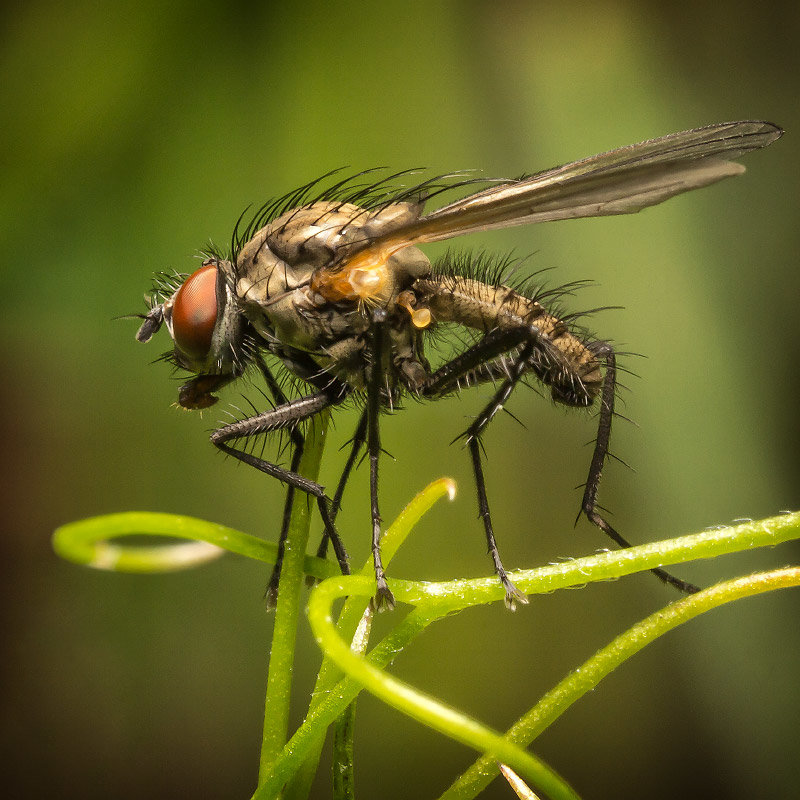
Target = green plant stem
(350,619)
(287,610)
(422,707)
(608,565)
(335,703)
(459,594)
(588,675)
(343,765)
(86,542)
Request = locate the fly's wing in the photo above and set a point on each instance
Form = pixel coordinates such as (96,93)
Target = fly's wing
(621,181)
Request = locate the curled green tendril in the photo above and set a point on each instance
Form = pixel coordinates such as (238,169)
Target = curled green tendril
(347,669)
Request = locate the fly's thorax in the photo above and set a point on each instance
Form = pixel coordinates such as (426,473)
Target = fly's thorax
(297,282)
(302,239)
(349,250)
(263,277)
(299,319)
(319,236)
(349,358)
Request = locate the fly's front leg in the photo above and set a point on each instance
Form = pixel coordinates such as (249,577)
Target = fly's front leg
(383,596)
(287,416)
(605,352)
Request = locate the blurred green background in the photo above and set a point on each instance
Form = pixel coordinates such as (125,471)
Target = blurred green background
(134,131)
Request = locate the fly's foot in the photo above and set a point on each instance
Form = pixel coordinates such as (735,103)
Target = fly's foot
(384,599)
(271,593)
(513,595)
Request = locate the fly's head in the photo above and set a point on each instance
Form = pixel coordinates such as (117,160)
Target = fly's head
(206,326)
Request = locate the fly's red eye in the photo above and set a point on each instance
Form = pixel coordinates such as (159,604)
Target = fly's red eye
(194,313)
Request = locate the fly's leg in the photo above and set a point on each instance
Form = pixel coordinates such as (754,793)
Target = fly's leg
(473,362)
(472,436)
(298,441)
(287,416)
(383,595)
(495,343)
(356,443)
(605,352)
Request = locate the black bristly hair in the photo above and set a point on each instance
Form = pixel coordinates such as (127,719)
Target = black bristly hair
(372,195)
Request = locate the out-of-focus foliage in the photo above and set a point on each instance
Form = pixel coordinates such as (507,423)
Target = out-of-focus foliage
(134,132)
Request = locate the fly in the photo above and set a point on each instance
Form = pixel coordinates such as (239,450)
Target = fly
(332,282)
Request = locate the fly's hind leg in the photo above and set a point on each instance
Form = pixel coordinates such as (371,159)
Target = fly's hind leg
(446,378)
(472,436)
(605,352)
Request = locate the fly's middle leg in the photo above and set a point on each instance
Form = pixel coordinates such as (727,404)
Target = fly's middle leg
(383,595)
(472,435)
(356,443)
(298,441)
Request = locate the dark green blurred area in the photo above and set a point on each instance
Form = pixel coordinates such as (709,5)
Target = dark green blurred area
(134,132)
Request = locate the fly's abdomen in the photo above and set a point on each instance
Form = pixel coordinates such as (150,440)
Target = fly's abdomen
(560,359)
